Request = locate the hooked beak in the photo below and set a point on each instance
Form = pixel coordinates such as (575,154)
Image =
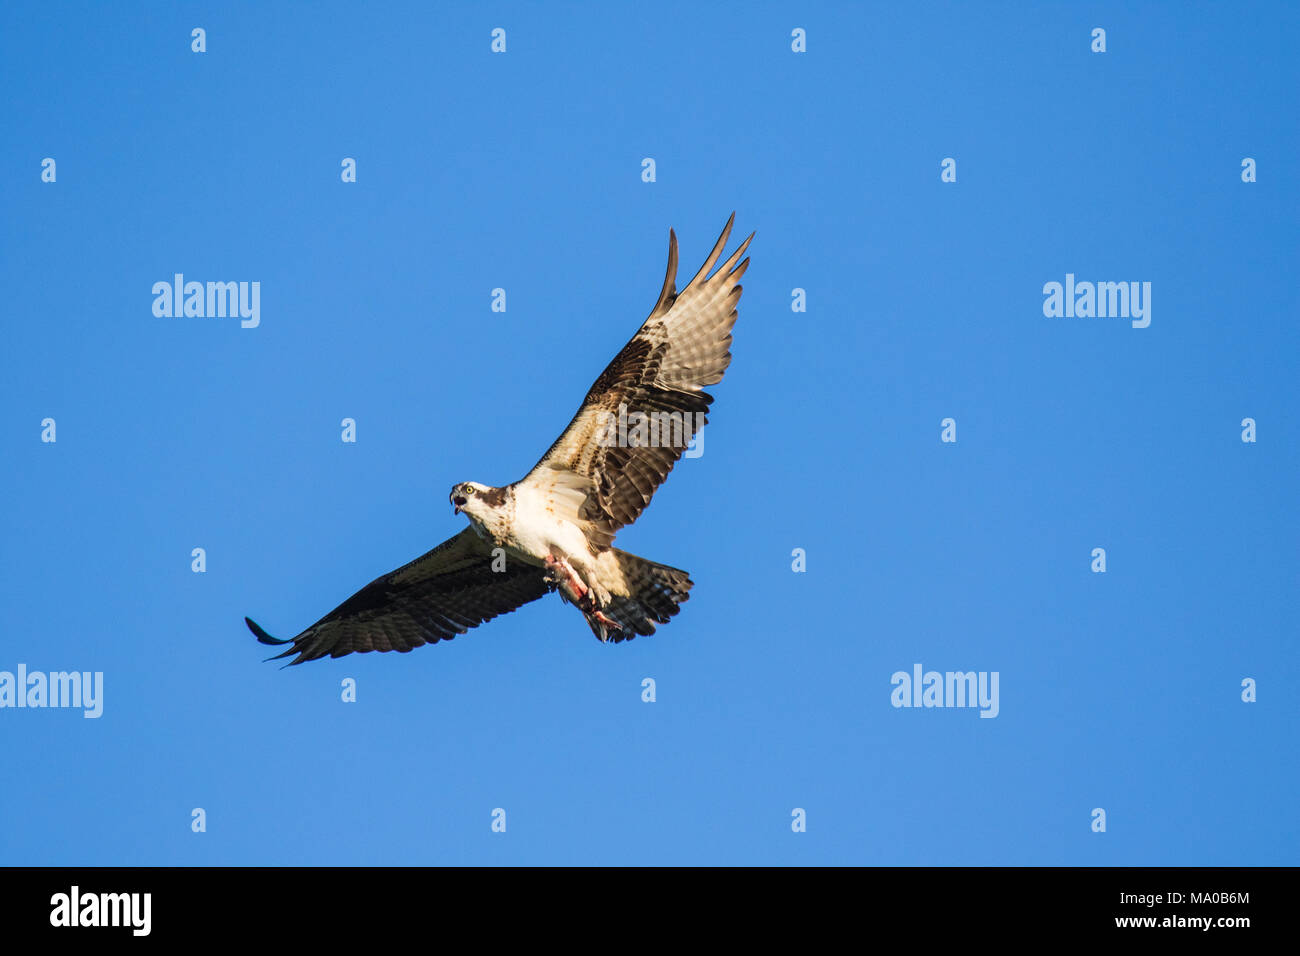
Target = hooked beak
(458,502)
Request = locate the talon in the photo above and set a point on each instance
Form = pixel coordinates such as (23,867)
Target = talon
(600,616)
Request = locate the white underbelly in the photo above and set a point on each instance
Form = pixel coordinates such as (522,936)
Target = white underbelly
(543,526)
(536,536)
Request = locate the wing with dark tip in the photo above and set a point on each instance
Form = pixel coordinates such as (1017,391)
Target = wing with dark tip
(660,376)
(434,598)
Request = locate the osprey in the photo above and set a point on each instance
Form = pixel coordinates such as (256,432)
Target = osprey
(553,530)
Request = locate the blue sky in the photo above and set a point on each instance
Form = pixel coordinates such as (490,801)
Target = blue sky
(1118,690)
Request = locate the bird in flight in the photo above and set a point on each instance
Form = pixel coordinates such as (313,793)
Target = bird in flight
(553,530)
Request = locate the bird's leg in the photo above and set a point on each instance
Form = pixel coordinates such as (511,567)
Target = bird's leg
(564,574)
(568,579)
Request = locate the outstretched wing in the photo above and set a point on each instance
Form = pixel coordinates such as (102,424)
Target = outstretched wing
(658,378)
(437,596)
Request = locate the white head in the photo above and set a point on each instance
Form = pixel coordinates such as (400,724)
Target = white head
(476,500)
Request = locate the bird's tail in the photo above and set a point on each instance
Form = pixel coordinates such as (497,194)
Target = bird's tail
(655,592)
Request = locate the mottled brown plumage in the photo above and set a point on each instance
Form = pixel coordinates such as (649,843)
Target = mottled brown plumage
(683,346)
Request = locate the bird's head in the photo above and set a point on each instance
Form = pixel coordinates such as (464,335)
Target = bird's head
(474,499)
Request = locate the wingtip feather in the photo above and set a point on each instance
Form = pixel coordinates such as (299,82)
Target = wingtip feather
(717,250)
(261,635)
(669,290)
